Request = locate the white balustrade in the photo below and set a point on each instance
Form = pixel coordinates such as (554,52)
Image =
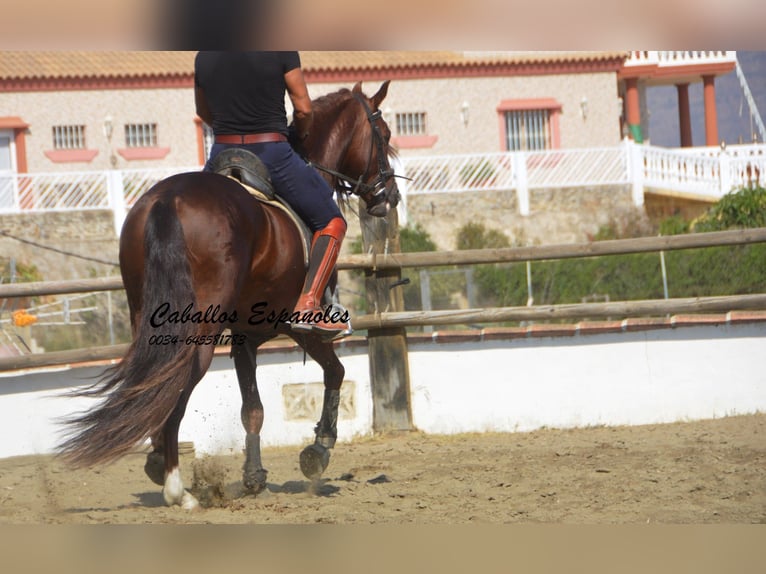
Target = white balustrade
(679,58)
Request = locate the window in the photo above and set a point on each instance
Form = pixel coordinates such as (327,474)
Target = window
(411,129)
(411,124)
(6,170)
(141,135)
(6,151)
(530,125)
(527,130)
(69,145)
(141,143)
(68,137)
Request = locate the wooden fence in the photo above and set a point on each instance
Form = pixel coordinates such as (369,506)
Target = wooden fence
(375,263)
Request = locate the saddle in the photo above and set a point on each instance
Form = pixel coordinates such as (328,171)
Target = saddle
(250,172)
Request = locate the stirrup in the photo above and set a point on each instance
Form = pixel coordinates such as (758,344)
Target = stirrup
(325,334)
(349,330)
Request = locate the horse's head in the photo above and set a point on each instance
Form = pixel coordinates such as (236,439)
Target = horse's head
(349,144)
(370,155)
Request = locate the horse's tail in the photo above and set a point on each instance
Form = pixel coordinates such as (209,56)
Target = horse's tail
(142,390)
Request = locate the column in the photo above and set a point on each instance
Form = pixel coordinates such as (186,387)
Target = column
(633,109)
(711,118)
(684,115)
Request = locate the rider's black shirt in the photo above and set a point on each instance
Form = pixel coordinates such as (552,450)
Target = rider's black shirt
(245,91)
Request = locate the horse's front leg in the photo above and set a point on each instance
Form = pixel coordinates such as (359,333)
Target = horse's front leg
(315,458)
(253,473)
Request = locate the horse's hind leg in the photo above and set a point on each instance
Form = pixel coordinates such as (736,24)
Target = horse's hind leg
(315,458)
(173,490)
(253,473)
(155,460)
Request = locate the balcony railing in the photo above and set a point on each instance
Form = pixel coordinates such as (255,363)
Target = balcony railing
(707,172)
(679,58)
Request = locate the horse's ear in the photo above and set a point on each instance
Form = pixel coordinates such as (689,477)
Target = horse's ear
(380,96)
(357,89)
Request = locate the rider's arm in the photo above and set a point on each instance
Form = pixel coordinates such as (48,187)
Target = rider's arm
(299,96)
(203,111)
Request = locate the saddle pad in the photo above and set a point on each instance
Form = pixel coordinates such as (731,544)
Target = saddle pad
(302,229)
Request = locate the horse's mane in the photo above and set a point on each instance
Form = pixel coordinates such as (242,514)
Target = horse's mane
(324,104)
(326,108)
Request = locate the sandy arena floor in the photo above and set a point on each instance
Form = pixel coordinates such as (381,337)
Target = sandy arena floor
(699,472)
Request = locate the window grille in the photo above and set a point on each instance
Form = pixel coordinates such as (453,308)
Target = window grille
(527,130)
(68,137)
(141,135)
(411,124)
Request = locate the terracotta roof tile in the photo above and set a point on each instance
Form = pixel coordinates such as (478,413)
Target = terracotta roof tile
(399,59)
(37,65)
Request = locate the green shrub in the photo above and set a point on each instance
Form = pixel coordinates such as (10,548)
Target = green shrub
(711,271)
(745,208)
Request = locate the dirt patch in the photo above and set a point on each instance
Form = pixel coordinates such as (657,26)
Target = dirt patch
(697,472)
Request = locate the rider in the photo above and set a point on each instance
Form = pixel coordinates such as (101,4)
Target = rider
(241,95)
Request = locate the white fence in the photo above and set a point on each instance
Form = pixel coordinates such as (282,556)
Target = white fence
(704,171)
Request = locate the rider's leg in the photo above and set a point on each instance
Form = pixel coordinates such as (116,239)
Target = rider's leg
(324,253)
(312,199)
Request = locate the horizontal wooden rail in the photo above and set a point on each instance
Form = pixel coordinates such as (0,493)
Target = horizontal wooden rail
(616,309)
(546,252)
(57,358)
(436,258)
(36,288)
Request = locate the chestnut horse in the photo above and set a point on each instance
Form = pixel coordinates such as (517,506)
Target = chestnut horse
(199,254)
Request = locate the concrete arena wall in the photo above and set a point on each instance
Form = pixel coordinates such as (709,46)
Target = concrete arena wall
(525,382)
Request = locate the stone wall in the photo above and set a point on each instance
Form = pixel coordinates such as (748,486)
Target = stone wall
(81,234)
(569,215)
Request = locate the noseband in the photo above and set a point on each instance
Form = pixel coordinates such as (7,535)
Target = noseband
(358,186)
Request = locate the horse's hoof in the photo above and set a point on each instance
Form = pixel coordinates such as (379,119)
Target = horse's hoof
(314,460)
(188,502)
(155,467)
(255,481)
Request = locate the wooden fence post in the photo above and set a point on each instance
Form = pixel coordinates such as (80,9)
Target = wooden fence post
(387,347)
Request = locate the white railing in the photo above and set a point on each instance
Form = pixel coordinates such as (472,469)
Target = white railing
(708,172)
(698,174)
(755,115)
(577,167)
(679,58)
(115,190)
(450,173)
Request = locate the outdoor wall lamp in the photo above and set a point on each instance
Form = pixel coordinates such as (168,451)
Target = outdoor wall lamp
(108,127)
(584,108)
(464,113)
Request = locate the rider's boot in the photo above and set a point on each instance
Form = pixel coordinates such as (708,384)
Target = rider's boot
(330,323)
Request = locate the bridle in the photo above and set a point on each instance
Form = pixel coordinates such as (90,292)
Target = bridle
(378,197)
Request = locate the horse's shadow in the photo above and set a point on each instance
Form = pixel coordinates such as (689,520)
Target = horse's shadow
(317,487)
(235,491)
(149,499)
